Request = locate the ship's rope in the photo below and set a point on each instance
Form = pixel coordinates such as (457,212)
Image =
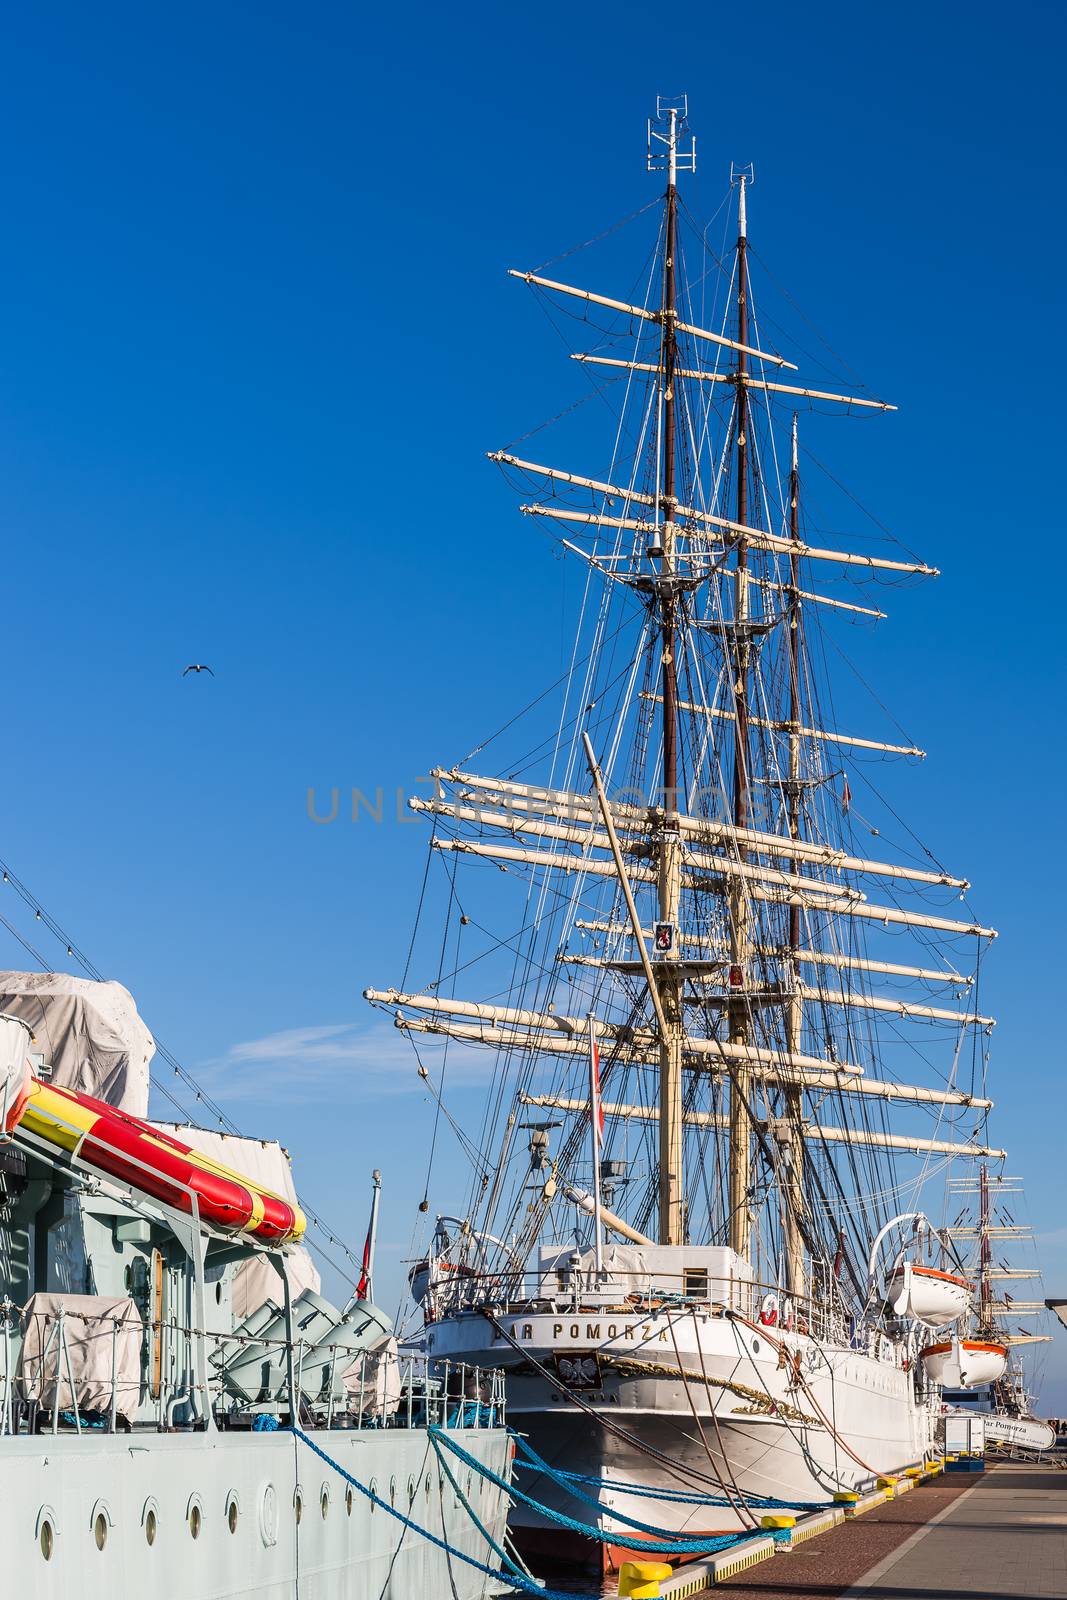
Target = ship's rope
(666,1542)
(514,1578)
(761,1502)
(763,1402)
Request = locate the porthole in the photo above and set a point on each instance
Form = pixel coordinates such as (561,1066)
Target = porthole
(268,1515)
(428,1486)
(411,1490)
(196,1520)
(324,1502)
(348,1501)
(298,1505)
(218,1293)
(100,1523)
(373,1487)
(150,1526)
(48,1539)
(232,1515)
(392,1491)
(755,1347)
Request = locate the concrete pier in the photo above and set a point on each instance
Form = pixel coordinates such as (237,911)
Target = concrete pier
(1002,1539)
(999,1536)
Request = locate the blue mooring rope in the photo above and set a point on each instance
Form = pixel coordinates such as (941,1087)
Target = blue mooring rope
(514,1578)
(759,1502)
(666,1542)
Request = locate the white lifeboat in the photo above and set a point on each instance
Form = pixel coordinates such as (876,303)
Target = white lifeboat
(965,1363)
(927,1294)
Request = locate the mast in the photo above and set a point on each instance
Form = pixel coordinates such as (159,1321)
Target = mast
(740,1129)
(794,1100)
(672,1215)
(985,1254)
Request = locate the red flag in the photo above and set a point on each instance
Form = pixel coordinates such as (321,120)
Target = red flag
(598,1104)
(846,796)
(361,1286)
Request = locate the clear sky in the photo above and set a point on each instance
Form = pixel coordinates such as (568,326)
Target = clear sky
(255,337)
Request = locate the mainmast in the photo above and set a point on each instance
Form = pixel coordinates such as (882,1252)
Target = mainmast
(738,1010)
(672,1217)
(792,1140)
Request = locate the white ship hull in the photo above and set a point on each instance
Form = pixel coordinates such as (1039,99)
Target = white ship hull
(348,1552)
(756,1425)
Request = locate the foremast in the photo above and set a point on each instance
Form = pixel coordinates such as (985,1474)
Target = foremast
(672,1210)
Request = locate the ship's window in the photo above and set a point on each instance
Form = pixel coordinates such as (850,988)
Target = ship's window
(231,1516)
(48,1539)
(348,1501)
(373,1487)
(695,1283)
(411,1490)
(298,1505)
(196,1519)
(100,1530)
(150,1527)
(427,1486)
(324,1502)
(392,1491)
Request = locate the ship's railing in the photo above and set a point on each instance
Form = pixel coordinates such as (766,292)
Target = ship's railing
(373,1388)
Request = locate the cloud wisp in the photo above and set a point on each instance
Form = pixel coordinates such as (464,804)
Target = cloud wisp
(349,1058)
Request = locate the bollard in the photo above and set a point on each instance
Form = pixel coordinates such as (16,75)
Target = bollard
(771,1524)
(847,1498)
(888,1485)
(640,1580)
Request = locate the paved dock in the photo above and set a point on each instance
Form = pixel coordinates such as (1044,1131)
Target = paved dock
(1002,1536)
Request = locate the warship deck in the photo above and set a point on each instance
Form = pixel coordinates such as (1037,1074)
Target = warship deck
(1000,1536)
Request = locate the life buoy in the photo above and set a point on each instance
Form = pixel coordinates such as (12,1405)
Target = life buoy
(769,1311)
(787,1315)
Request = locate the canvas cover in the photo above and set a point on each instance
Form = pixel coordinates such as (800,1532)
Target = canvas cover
(15,1081)
(88,1335)
(263,1161)
(257,1281)
(89,1033)
(266,1164)
(372,1382)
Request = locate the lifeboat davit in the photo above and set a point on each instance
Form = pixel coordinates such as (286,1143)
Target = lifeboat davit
(965,1363)
(927,1294)
(124,1147)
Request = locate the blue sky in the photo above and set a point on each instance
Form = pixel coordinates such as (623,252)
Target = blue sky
(256,337)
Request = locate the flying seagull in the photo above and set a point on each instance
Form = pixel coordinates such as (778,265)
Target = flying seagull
(196,666)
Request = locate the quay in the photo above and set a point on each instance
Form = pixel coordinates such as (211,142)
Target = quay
(997,1535)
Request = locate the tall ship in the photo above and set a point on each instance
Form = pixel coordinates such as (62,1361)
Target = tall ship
(726,1001)
(987,1232)
(181,1410)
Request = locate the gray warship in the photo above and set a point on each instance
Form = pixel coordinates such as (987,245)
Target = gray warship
(181,1411)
